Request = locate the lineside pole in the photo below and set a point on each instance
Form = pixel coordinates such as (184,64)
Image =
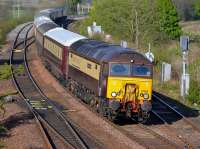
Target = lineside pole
(185,78)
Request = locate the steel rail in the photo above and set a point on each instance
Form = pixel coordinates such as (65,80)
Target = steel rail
(42,130)
(172,143)
(67,123)
(177,112)
(188,145)
(40,121)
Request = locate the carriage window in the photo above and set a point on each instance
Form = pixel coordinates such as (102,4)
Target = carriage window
(139,70)
(89,66)
(120,69)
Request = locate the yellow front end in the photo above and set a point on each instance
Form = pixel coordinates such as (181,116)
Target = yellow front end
(116,88)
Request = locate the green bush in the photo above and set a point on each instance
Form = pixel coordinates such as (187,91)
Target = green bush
(166,54)
(20,69)
(97,36)
(194,92)
(5,72)
(7,25)
(3,129)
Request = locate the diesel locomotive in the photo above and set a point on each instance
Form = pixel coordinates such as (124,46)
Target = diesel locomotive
(116,81)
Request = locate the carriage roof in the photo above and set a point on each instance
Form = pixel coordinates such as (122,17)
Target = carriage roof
(43,28)
(64,37)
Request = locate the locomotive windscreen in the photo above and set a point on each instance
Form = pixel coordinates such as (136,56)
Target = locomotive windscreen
(122,69)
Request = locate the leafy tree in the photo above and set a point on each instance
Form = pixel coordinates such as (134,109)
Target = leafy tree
(194,92)
(1,37)
(185,9)
(112,16)
(7,25)
(197,9)
(126,18)
(168,18)
(142,20)
(72,5)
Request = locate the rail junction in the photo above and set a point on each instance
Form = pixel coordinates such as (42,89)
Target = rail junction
(179,132)
(48,117)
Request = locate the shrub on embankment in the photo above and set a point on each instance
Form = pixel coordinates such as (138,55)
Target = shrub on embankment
(157,24)
(194,93)
(5,72)
(138,21)
(7,25)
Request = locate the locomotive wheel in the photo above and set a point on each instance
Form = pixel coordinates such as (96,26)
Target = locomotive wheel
(143,117)
(93,102)
(71,88)
(97,105)
(112,115)
(129,110)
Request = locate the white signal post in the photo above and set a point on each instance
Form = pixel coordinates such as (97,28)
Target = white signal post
(185,78)
(149,54)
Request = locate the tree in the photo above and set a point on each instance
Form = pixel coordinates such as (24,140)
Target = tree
(127,19)
(139,21)
(169,21)
(72,5)
(197,9)
(185,9)
(194,92)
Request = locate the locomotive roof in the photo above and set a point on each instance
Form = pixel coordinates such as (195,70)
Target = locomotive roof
(102,51)
(41,20)
(51,12)
(64,37)
(46,27)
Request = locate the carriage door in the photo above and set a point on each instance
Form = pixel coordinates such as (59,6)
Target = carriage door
(64,65)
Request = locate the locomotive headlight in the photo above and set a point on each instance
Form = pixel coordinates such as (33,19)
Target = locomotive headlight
(146,95)
(113,94)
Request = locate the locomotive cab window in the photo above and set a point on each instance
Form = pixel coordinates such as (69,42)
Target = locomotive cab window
(141,70)
(120,70)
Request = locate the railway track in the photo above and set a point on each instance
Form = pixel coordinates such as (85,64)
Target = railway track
(176,122)
(147,136)
(143,134)
(47,115)
(20,43)
(138,132)
(157,134)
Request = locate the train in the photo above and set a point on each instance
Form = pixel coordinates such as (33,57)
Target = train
(115,81)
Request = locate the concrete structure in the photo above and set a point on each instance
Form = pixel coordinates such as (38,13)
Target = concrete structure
(166,72)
